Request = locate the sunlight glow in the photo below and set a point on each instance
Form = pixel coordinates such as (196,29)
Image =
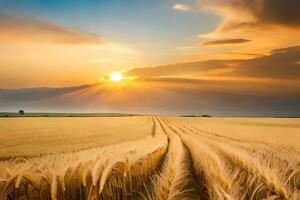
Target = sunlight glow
(115,77)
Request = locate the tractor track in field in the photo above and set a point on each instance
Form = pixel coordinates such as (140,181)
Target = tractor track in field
(264,181)
(195,186)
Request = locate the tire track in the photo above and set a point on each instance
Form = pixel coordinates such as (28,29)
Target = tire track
(180,163)
(256,180)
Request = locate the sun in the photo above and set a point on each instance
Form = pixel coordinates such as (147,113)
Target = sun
(115,77)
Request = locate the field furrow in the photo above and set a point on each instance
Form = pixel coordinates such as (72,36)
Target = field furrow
(175,180)
(240,172)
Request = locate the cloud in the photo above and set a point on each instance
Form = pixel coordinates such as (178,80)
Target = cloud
(280,64)
(251,12)
(160,96)
(268,85)
(31,29)
(36,94)
(181,6)
(243,53)
(269,24)
(224,42)
(181,69)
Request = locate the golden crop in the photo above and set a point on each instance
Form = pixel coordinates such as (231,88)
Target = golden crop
(176,158)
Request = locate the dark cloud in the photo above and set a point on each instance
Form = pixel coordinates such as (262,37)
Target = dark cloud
(282,12)
(285,12)
(36,94)
(31,29)
(243,54)
(160,96)
(224,42)
(280,64)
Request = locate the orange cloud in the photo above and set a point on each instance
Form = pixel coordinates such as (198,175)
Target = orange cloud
(34,30)
(224,42)
(180,69)
(280,64)
(269,24)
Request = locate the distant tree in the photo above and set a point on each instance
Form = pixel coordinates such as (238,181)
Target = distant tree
(21,112)
(205,116)
(187,116)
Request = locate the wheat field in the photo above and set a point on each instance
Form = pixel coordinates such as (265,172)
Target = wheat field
(154,158)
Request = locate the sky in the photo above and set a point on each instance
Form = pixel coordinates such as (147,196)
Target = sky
(223,57)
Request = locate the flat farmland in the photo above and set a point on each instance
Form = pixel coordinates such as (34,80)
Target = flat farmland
(31,136)
(276,131)
(145,157)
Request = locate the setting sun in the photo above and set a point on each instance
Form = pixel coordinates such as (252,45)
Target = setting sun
(115,77)
(158,100)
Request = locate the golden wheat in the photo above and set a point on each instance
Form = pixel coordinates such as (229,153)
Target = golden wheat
(173,159)
(239,171)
